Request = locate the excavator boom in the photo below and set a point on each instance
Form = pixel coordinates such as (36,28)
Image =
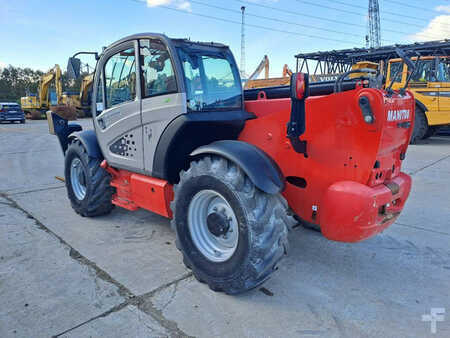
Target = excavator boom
(46,80)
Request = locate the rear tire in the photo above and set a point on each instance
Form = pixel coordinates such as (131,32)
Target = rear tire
(262,224)
(88,184)
(420,126)
(22,121)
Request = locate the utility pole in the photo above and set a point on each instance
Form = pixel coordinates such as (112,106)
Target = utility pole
(374,24)
(243,44)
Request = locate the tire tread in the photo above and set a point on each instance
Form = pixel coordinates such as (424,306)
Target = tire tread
(268,220)
(99,200)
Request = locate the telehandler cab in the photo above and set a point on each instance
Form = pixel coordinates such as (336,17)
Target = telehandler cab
(175,134)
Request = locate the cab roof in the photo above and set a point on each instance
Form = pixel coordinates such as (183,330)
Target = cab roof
(167,40)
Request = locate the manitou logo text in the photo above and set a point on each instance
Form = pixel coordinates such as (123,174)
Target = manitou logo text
(397,115)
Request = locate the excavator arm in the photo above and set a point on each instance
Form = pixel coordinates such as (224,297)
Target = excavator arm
(86,85)
(287,71)
(58,84)
(46,80)
(264,64)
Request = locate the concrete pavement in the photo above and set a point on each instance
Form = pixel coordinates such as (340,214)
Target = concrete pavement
(121,275)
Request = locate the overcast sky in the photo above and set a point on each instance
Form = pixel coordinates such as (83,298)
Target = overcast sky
(42,33)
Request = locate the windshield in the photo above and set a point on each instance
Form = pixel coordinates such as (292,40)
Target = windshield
(9,107)
(212,81)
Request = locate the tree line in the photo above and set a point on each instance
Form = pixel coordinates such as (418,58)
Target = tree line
(16,82)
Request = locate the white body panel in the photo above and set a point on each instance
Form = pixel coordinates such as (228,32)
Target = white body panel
(157,113)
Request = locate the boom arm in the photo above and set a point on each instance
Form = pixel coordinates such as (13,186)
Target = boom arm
(264,64)
(46,79)
(286,71)
(58,84)
(86,85)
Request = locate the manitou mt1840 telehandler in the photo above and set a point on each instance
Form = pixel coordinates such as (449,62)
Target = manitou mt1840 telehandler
(175,134)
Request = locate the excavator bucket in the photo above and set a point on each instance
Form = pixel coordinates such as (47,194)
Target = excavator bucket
(67,112)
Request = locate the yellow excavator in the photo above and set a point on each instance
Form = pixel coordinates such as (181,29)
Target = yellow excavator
(254,82)
(34,105)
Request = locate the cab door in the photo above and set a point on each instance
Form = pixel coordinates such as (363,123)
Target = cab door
(118,120)
(162,97)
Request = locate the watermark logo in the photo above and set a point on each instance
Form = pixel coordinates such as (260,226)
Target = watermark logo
(437,314)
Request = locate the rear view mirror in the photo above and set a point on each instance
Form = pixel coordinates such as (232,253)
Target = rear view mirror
(74,68)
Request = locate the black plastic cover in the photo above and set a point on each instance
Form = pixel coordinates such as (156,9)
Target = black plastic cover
(257,165)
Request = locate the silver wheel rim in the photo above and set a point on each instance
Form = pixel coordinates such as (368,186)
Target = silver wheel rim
(213,247)
(78,179)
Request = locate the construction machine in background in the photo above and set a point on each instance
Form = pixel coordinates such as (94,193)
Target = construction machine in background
(254,82)
(34,105)
(86,94)
(80,101)
(430,83)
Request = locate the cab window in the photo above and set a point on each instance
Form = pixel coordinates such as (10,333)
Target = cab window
(424,72)
(212,80)
(444,72)
(120,78)
(156,68)
(394,68)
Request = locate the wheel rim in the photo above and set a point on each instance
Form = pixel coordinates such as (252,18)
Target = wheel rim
(78,178)
(216,242)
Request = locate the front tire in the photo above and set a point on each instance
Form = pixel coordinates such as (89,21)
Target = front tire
(231,234)
(88,184)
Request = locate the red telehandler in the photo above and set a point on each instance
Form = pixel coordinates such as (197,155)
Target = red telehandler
(175,134)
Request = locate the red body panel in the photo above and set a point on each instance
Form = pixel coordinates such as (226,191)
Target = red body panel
(342,148)
(134,191)
(353,211)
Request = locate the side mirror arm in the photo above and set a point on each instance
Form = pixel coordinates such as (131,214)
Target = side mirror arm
(297,123)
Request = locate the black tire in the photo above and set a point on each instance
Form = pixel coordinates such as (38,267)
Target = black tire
(22,121)
(97,200)
(432,130)
(263,223)
(420,126)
